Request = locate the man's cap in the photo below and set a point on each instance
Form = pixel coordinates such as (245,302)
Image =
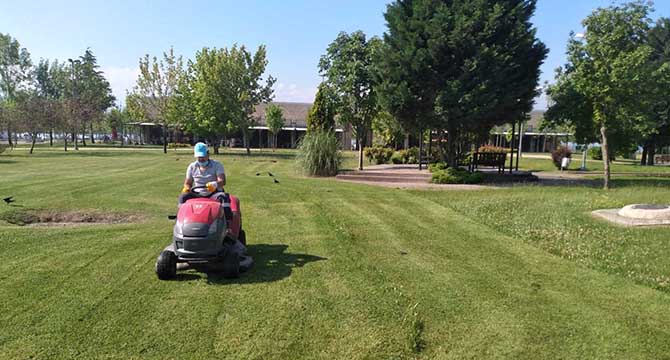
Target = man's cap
(200,150)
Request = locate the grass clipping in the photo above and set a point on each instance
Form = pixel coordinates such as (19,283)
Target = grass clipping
(319,154)
(60,218)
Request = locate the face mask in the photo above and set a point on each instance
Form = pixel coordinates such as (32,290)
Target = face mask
(203,163)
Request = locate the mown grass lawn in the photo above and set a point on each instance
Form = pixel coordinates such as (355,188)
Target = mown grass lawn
(343,271)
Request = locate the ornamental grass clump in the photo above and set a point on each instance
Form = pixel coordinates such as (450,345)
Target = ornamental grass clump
(319,154)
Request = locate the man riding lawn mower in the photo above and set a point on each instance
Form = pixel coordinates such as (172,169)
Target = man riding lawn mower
(208,231)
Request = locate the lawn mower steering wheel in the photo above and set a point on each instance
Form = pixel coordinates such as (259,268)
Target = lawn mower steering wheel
(200,193)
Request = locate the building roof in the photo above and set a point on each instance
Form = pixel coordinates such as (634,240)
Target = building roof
(295,114)
(535,121)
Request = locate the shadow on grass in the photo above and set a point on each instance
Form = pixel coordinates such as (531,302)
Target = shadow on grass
(6,161)
(271,263)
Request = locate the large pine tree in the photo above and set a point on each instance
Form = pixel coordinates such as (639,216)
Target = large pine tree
(462,66)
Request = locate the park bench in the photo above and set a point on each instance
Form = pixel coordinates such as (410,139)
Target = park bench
(493,159)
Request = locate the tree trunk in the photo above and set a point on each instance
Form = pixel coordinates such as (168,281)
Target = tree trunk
(65,142)
(9,135)
(32,145)
(645,148)
(245,140)
(92,139)
(51,137)
(164,139)
(75,140)
(606,157)
(430,146)
(511,148)
(83,136)
(451,147)
(359,145)
(420,150)
(405,145)
(652,154)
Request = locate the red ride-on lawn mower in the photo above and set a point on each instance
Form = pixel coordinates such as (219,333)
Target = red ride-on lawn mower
(204,236)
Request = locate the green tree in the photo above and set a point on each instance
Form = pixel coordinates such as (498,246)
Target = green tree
(94,93)
(51,85)
(274,118)
(348,67)
(156,88)
(222,90)
(322,113)
(253,90)
(387,129)
(610,70)
(461,66)
(659,109)
(32,113)
(116,119)
(212,93)
(15,73)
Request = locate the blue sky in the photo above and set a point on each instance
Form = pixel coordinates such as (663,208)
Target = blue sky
(296,33)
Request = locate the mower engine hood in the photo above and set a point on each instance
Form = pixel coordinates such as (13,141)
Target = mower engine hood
(202,211)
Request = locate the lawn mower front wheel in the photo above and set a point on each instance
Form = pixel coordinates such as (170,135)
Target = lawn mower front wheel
(166,265)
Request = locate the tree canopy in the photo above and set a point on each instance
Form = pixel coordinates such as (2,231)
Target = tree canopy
(605,87)
(156,88)
(461,66)
(348,67)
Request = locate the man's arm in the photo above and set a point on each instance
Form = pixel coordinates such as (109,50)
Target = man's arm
(188,182)
(221,179)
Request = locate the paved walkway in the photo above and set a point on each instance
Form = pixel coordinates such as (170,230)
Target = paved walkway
(400,177)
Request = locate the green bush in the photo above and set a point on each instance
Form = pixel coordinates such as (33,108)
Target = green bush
(595,153)
(492,149)
(378,154)
(558,155)
(178,145)
(398,157)
(438,166)
(457,176)
(319,154)
(412,155)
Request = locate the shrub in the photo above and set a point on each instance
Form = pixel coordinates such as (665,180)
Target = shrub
(457,176)
(178,145)
(438,166)
(318,153)
(492,149)
(3,148)
(378,154)
(558,155)
(596,153)
(412,155)
(398,157)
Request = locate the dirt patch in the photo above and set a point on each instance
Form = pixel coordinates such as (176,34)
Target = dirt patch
(65,218)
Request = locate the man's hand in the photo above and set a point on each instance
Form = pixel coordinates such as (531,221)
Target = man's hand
(212,186)
(185,189)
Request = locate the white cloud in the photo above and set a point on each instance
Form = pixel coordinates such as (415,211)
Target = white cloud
(294,93)
(121,79)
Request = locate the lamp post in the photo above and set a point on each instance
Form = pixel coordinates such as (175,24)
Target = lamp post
(74,96)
